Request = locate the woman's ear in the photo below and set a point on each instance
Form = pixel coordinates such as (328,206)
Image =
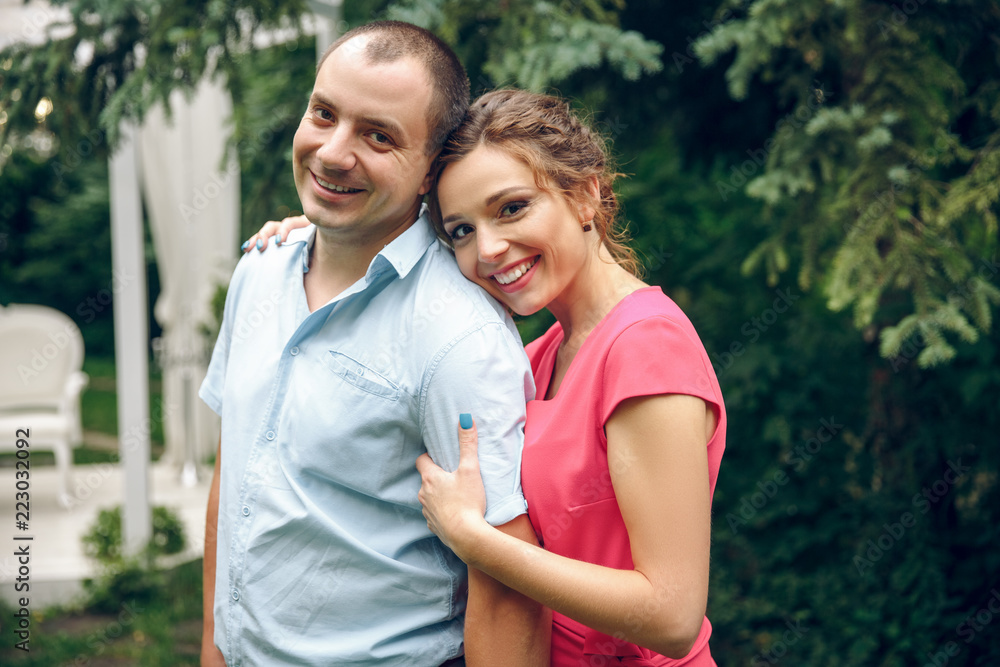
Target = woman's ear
(586,204)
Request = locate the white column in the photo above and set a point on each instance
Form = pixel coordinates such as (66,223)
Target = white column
(328,23)
(131,315)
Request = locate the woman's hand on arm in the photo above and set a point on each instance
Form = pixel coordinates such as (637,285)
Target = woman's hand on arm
(658,462)
(273,228)
(502,626)
(455,503)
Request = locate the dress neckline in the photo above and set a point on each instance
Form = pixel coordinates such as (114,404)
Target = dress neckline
(547,365)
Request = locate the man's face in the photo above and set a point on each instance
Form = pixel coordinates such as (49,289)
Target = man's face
(359,155)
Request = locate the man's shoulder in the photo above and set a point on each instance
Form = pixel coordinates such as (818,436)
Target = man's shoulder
(442,291)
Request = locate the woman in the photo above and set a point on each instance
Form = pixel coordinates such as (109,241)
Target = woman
(623,443)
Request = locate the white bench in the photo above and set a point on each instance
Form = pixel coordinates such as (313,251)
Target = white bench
(41,356)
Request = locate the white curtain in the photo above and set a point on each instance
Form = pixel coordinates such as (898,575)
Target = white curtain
(192,199)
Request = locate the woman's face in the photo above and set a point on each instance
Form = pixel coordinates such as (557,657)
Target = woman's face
(523,244)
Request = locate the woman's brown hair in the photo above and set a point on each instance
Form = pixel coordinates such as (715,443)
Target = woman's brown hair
(562,152)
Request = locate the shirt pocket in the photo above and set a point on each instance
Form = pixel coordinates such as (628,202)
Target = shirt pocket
(364,378)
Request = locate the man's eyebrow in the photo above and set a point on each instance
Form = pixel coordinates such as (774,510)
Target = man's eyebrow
(391,127)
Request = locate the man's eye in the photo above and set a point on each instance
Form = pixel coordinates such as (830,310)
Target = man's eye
(323,114)
(460,231)
(380,138)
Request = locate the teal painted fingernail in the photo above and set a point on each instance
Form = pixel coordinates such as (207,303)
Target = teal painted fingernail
(245,246)
(260,243)
(277,239)
(465,420)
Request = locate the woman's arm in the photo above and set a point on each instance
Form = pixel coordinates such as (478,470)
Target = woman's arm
(659,470)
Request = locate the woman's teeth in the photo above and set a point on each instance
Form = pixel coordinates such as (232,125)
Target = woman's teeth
(515,273)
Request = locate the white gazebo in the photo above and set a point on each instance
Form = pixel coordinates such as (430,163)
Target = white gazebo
(179,172)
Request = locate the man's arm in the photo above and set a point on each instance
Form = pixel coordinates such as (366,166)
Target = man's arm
(211,656)
(486,374)
(503,627)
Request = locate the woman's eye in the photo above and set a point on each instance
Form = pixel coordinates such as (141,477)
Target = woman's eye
(460,231)
(513,208)
(380,138)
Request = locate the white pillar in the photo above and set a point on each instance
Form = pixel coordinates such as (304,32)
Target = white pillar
(328,23)
(131,315)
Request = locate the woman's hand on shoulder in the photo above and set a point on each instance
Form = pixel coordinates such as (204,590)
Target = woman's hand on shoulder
(271,229)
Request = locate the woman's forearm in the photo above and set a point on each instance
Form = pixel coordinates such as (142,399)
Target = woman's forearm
(661,616)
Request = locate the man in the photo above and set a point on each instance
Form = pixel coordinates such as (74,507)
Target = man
(344,354)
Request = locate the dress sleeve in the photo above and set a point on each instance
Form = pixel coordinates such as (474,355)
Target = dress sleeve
(486,374)
(657,355)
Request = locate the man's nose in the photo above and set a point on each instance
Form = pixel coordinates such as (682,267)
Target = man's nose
(338,151)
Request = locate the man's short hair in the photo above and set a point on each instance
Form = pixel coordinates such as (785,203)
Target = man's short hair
(391,40)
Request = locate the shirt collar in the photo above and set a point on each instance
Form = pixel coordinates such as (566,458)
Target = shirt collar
(401,254)
(404,251)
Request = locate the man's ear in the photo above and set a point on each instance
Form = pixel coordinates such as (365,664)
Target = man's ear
(430,176)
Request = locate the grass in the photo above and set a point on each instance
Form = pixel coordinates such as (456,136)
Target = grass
(156,631)
(99,402)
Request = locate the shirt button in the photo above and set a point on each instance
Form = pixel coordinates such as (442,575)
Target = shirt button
(360,371)
(236,595)
(269,435)
(246,511)
(293,351)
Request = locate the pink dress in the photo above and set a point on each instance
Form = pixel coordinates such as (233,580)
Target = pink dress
(644,346)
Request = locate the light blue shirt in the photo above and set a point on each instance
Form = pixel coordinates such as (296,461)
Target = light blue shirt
(323,555)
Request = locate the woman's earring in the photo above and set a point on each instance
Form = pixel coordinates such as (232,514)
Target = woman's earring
(586,226)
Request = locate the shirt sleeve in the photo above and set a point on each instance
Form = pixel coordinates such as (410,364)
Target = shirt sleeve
(215,378)
(656,355)
(486,374)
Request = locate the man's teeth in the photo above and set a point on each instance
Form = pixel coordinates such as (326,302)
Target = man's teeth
(335,188)
(515,273)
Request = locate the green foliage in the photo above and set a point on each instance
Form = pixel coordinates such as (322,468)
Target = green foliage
(886,168)
(129,577)
(162,630)
(55,241)
(535,44)
(139,53)
(103,541)
(871,186)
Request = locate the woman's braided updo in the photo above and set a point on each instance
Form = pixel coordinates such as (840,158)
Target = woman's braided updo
(561,151)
